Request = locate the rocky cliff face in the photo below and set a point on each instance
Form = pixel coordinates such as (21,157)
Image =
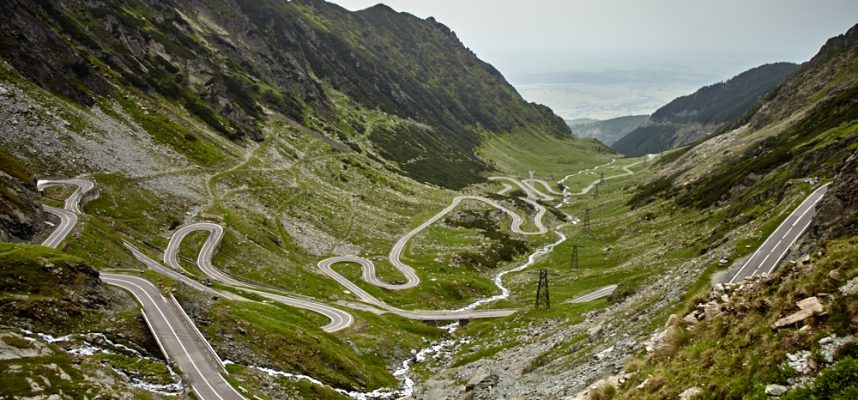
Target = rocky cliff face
(829,74)
(21,215)
(837,213)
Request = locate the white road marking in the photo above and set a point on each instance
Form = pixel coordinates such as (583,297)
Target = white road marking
(808,205)
(170,326)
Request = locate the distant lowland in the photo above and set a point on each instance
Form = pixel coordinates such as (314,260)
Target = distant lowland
(606,131)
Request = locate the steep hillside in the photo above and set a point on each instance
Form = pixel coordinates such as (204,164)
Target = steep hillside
(65,333)
(307,132)
(749,339)
(802,130)
(21,216)
(690,118)
(740,348)
(607,131)
(230,64)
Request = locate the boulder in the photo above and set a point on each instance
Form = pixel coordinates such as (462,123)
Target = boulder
(595,331)
(775,390)
(834,275)
(812,304)
(487,382)
(690,393)
(807,308)
(850,287)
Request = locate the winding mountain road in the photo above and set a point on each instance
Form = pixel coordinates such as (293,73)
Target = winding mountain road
(178,276)
(767,256)
(565,178)
(73,202)
(68,214)
(589,187)
(174,330)
(531,183)
(412,280)
(530,191)
(430,315)
(183,344)
(339,319)
(178,338)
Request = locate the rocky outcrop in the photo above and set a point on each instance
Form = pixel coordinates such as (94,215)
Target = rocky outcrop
(807,308)
(21,214)
(46,292)
(837,213)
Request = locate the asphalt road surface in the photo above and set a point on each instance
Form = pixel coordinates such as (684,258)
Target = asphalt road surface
(174,331)
(178,339)
(767,256)
(596,294)
(339,319)
(68,220)
(68,214)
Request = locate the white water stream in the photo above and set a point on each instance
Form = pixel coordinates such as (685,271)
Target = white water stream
(87,345)
(504,294)
(433,351)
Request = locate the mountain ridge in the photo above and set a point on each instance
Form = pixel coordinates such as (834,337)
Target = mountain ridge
(230,63)
(690,118)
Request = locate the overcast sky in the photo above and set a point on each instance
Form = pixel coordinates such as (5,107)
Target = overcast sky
(540,42)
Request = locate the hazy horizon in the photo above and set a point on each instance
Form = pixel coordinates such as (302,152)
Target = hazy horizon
(608,59)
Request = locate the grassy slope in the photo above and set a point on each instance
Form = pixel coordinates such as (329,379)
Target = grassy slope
(292,176)
(55,284)
(43,290)
(736,354)
(629,247)
(520,151)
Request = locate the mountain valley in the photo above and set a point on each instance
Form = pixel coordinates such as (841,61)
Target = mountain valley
(289,200)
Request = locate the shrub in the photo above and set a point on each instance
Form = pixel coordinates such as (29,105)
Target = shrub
(840,382)
(605,391)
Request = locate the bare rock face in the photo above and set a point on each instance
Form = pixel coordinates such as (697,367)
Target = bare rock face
(21,214)
(837,213)
(807,308)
